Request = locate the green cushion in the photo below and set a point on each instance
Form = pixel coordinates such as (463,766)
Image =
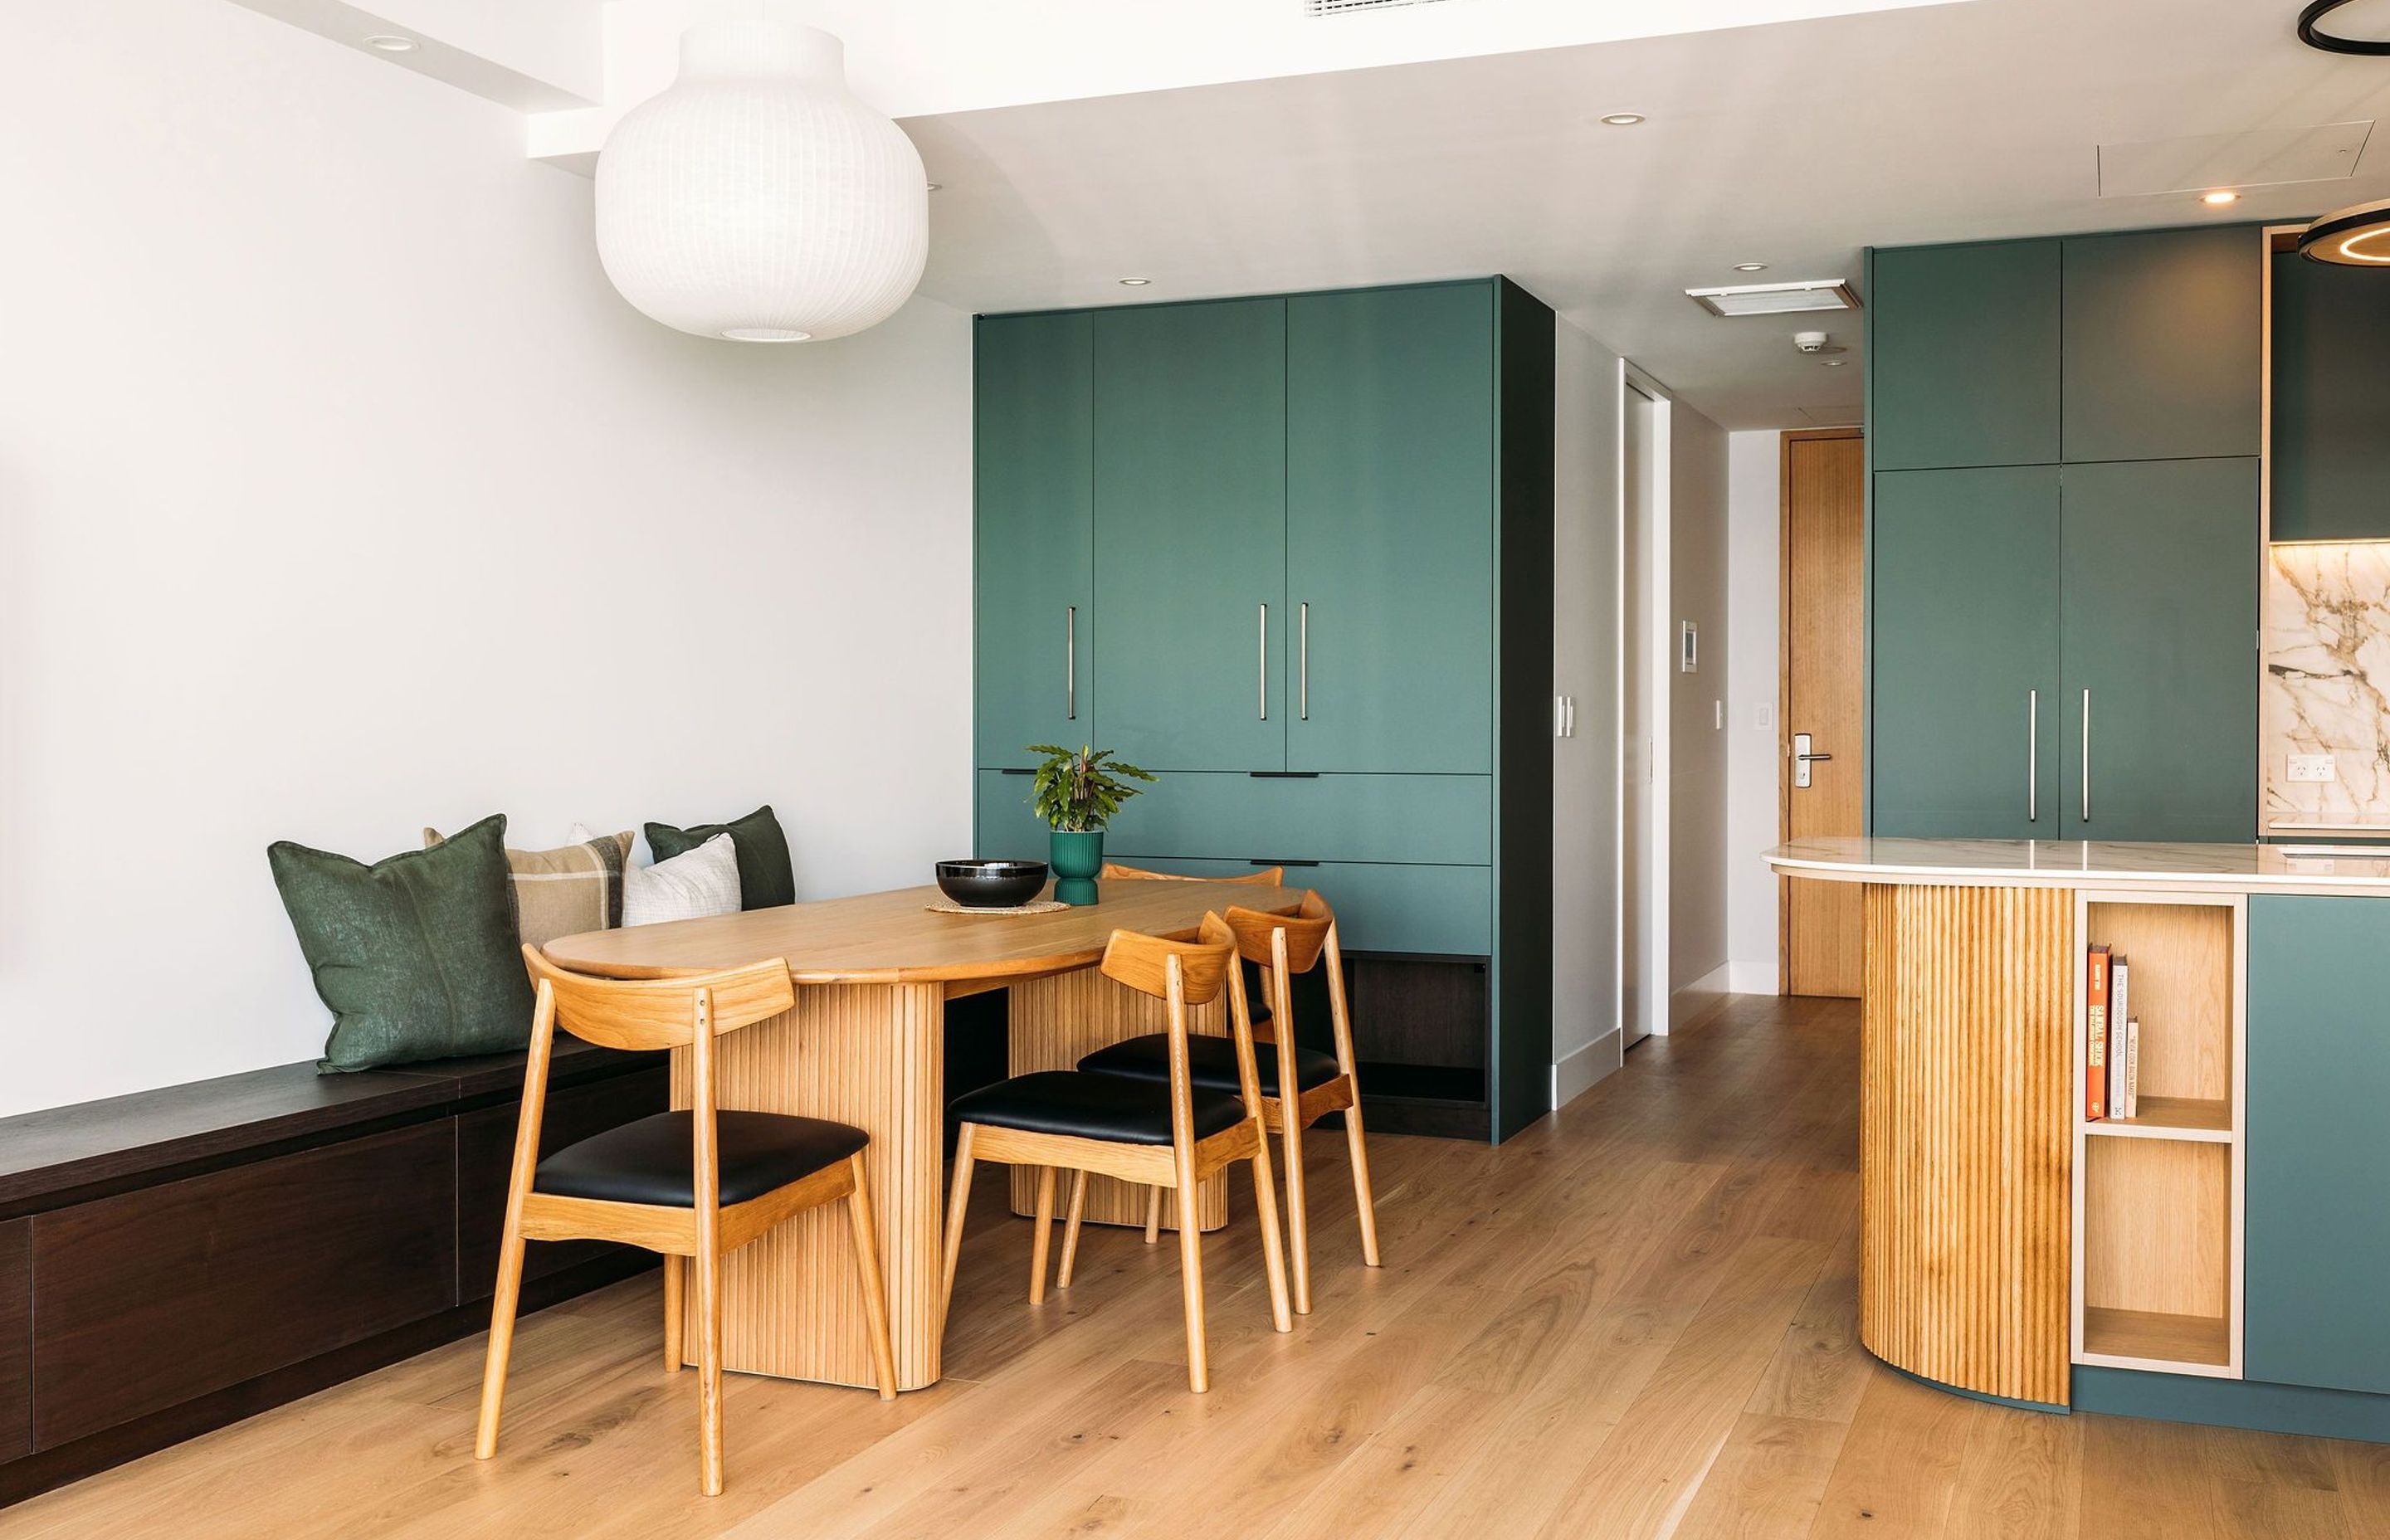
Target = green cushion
(766,879)
(417,955)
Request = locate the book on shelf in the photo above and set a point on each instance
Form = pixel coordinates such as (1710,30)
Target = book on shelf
(2131,1102)
(2119,1015)
(2095,1026)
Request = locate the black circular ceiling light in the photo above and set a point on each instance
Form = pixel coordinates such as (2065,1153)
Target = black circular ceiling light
(2314,37)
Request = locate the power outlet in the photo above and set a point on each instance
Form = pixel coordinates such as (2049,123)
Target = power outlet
(2313,768)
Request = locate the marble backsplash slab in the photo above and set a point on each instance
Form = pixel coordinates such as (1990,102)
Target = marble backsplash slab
(2326,688)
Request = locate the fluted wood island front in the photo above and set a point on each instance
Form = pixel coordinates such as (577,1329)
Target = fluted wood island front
(865,1045)
(2012,1245)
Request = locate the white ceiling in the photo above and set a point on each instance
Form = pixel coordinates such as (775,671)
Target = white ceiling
(1793,144)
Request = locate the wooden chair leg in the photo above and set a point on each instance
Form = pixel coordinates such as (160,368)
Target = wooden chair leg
(1071,1228)
(502,1338)
(1362,1198)
(955,1221)
(1298,1223)
(1041,1242)
(1152,1215)
(1273,1251)
(1190,1265)
(866,1271)
(676,1312)
(709,1369)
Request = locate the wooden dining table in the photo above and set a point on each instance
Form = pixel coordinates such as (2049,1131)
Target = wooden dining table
(865,1045)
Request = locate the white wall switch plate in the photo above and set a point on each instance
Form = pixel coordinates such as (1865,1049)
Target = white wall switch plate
(1763,718)
(2313,768)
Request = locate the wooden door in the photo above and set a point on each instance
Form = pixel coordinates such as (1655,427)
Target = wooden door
(1963,737)
(1033,609)
(1823,691)
(1191,534)
(2157,642)
(1390,530)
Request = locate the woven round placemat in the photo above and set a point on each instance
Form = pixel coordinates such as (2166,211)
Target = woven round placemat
(1042,907)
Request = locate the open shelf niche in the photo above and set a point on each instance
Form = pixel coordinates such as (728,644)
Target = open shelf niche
(2158,1197)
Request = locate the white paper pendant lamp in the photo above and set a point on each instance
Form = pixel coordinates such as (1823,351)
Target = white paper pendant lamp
(758,199)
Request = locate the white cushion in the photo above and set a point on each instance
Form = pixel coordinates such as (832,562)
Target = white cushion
(690,886)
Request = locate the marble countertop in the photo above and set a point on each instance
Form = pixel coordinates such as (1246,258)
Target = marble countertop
(2317,868)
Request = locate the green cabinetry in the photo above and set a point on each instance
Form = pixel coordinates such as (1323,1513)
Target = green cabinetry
(1033,583)
(1962,355)
(2331,455)
(2157,646)
(2317,1241)
(2163,344)
(1966,622)
(1295,539)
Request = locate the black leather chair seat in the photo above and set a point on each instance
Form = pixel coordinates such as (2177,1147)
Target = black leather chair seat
(1111,1108)
(1211,1063)
(654,1160)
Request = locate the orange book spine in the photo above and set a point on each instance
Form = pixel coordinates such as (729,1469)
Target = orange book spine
(2095,1035)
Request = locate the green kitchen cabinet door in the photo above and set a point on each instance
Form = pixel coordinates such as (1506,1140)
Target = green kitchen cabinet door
(1964,641)
(1390,530)
(2157,641)
(1033,556)
(2317,1239)
(2164,345)
(1963,353)
(1190,533)
(2330,456)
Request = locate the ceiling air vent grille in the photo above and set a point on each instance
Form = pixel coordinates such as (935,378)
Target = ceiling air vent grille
(1338,8)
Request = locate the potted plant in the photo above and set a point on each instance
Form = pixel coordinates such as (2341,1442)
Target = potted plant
(1076,792)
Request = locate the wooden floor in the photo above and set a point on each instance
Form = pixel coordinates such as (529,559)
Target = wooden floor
(1636,1319)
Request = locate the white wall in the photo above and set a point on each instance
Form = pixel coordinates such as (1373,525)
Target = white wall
(1697,766)
(1754,590)
(338,495)
(1585,667)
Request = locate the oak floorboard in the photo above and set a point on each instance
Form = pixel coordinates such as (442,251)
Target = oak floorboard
(1638,1318)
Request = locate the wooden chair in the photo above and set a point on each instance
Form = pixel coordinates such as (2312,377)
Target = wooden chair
(696,1184)
(1283,947)
(1166,1132)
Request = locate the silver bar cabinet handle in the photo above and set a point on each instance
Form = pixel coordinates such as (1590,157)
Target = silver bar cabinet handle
(2087,756)
(1070,661)
(1302,690)
(2032,756)
(1265,671)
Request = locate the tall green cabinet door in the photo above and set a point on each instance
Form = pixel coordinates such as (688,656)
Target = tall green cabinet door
(1190,533)
(2163,346)
(2317,1244)
(1033,564)
(1390,530)
(1963,355)
(1963,725)
(2158,635)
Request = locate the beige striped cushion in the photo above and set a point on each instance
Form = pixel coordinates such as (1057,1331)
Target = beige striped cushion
(568,890)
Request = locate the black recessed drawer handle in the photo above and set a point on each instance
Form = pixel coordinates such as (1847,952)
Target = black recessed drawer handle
(1259,862)
(1284,774)
(1016,772)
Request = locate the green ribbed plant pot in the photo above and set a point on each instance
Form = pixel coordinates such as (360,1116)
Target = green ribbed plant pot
(1077,856)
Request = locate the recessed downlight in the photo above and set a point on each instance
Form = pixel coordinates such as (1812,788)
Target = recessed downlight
(1622,120)
(1135,283)
(1750,267)
(2220,198)
(391,43)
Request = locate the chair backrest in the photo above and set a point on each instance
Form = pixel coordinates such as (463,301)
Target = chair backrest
(1142,962)
(1306,935)
(647,1014)
(1268,877)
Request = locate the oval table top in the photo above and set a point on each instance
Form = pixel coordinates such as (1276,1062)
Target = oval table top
(896,938)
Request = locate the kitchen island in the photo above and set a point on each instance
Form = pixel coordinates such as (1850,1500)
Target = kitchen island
(2219,1257)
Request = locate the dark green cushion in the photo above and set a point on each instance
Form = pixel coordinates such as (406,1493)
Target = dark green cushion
(766,879)
(415,955)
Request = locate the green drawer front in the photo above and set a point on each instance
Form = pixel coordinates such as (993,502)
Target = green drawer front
(1008,831)
(1416,820)
(1438,910)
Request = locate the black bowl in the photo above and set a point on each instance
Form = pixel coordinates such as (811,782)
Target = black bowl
(991,884)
